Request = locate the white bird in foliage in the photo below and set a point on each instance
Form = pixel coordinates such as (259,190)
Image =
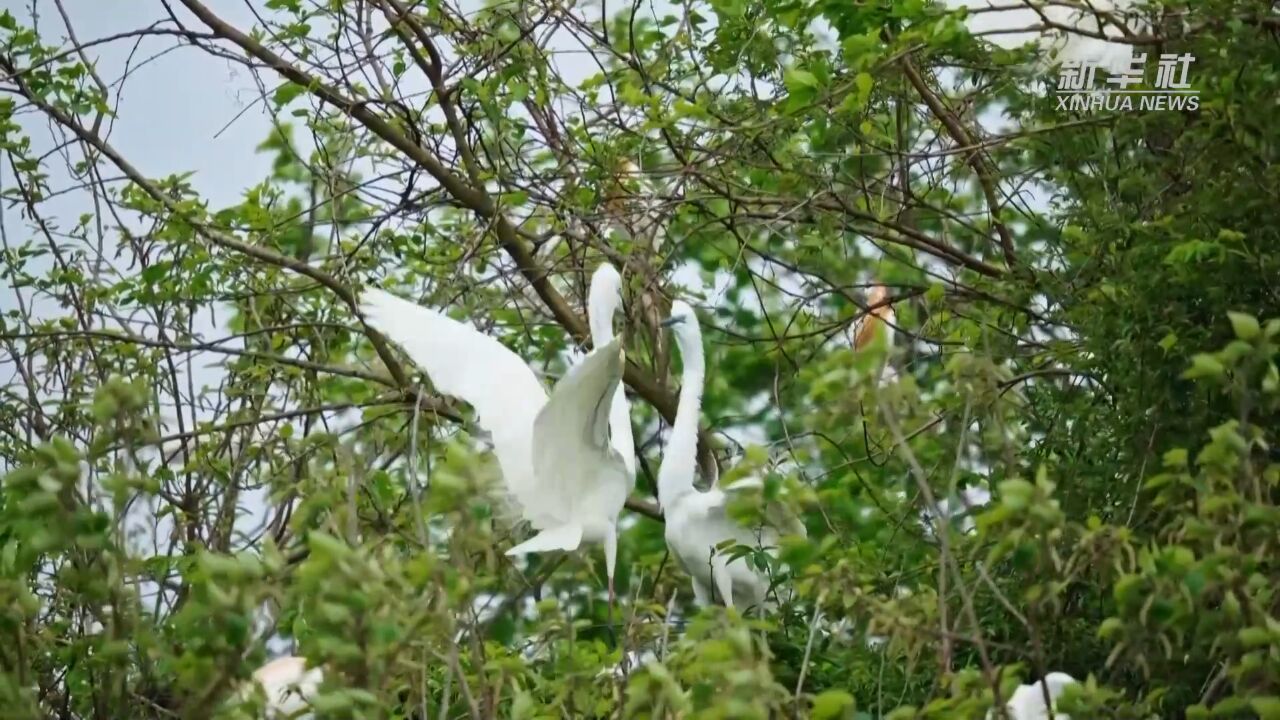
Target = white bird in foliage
(554,451)
(289,686)
(604,298)
(697,522)
(1027,702)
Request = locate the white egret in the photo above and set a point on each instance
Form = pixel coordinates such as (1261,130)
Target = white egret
(554,451)
(289,686)
(697,522)
(604,298)
(1027,702)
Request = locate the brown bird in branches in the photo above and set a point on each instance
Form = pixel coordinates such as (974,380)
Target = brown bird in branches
(876,326)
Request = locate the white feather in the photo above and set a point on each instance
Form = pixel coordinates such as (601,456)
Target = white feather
(464,363)
(603,300)
(289,686)
(698,522)
(582,478)
(1027,702)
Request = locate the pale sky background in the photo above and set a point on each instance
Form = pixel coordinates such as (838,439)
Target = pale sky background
(174,108)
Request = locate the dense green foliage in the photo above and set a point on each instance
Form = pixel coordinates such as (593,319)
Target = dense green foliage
(205,448)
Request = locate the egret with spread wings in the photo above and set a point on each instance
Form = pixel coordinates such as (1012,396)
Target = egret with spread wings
(554,451)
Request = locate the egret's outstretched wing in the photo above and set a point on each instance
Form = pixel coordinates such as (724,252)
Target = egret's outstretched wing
(571,450)
(623,439)
(464,363)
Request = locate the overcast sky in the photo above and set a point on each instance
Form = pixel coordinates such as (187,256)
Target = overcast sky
(180,109)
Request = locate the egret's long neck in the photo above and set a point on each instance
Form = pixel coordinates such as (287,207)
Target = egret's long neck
(679,462)
(600,311)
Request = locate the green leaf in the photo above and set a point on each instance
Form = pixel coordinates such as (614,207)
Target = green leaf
(1273,328)
(864,82)
(1254,637)
(515,198)
(157,272)
(286,93)
(1175,458)
(1230,707)
(1268,708)
(1016,494)
(1204,365)
(1245,326)
(832,704)
(795,78)
(1110,627)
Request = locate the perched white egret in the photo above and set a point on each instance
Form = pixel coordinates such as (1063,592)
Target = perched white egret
(1027,702)
(877,327)
(554,451)
(697,522)
(604,298)
(289,686)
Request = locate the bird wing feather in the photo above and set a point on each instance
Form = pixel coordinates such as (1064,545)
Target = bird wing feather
(467,364)
(571,449)
(623,439)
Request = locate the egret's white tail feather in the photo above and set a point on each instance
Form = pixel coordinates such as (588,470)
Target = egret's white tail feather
(564,537)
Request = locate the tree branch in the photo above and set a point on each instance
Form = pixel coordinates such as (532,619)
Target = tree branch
(977,159)
(473,198)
